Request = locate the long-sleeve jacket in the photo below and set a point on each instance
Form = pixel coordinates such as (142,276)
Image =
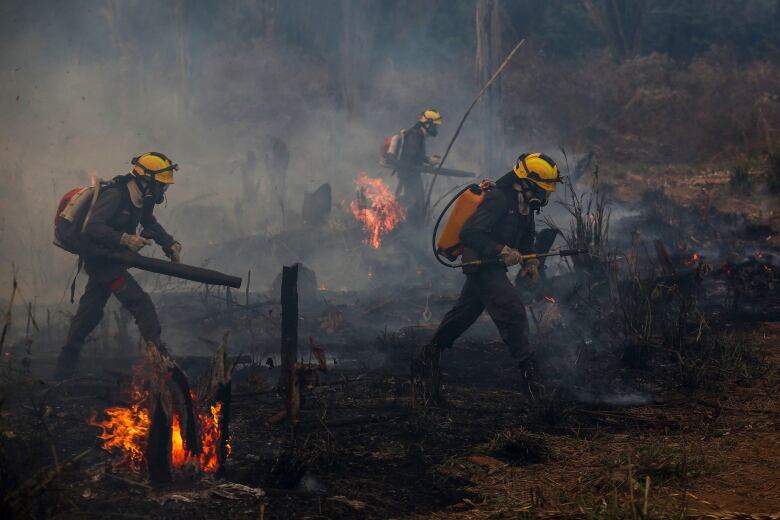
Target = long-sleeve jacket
(496,223)
(114,213)
(413,151)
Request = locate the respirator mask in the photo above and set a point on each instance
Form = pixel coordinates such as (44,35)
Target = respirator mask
(534,196)
(431,129)
(154,192)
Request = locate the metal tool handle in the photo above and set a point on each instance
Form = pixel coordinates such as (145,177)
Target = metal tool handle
(530,256)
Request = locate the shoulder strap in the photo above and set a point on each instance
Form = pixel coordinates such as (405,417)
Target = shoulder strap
(96,184)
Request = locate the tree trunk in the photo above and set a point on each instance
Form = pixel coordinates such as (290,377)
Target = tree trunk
(355,51)
(182,59)
(619,22)
(269,9)
(489,56)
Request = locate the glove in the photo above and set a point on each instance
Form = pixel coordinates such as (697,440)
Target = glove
(174,252)
(134,242)
(530,269)
(510,257)
(434,160)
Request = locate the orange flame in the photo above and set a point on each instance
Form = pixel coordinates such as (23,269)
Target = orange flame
(126,430)
(695,257)
(376,208)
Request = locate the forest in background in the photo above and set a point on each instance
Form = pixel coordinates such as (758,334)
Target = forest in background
(85,85)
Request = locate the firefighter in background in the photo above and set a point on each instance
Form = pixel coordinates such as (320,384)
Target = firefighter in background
(407,153)
(122,204)
(500,231)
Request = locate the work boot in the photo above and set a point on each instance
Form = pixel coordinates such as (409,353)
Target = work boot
(529,375)
(426,375)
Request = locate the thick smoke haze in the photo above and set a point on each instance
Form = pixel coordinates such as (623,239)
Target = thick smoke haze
(87,85)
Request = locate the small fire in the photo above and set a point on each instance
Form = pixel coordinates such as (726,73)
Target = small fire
(376,208)
(126,430)
(695,257)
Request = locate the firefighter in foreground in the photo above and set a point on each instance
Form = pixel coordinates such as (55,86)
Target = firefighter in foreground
(122,204)
(407,154)
(499,232)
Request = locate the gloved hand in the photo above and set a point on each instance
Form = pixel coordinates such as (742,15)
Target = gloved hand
(530,269)
(174,252)
(134,242)
(434,160)
(510,257)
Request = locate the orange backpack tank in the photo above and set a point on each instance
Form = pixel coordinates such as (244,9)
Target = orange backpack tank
(465,205)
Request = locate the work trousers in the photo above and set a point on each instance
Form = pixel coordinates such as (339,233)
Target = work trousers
(104,280)
(412,193)
(487,289)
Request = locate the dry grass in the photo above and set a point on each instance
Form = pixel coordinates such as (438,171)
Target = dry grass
(650,108)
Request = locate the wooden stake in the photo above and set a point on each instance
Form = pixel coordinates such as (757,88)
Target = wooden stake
(631,487)
(289,298)
(7,323)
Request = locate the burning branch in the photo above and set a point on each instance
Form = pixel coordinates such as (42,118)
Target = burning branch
(376,208)
(162,428)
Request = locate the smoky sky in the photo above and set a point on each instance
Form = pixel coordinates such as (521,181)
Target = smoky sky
(87,85)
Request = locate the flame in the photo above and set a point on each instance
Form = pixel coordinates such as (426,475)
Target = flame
(209,423)
(376,208)
(695,257)
(126,430)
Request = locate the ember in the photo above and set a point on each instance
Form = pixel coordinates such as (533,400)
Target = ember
(376,208)
(126,430)
(695,257)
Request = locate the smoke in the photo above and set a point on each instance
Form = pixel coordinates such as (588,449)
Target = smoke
(87,86)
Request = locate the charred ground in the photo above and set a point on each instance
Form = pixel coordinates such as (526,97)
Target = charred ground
(660,374)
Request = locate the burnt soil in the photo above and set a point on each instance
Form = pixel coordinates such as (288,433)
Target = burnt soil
(604,437)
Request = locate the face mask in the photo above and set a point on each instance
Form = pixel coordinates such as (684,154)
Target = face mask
(154,194)
(535,197)
(431,129)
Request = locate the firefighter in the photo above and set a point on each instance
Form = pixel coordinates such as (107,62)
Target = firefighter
(411,155)
(501,230)
(122,204)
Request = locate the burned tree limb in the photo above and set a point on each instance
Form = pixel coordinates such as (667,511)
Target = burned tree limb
(220,392)
(158,448)
(170,395)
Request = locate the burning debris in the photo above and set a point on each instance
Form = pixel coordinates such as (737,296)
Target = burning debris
(376,208)
(137,431)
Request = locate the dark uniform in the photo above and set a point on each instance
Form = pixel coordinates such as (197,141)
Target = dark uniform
(496,223)
(112,215)
(410,184)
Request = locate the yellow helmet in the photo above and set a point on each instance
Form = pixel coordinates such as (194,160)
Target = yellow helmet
(539,169)
(430,116)
(154,165)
